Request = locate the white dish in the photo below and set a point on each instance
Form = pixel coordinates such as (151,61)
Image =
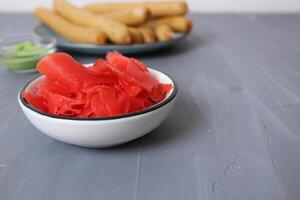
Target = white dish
(100,132)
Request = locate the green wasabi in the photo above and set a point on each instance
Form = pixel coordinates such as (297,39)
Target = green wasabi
(23,56)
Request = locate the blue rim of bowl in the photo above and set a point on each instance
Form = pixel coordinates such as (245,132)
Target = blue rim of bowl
(147,110)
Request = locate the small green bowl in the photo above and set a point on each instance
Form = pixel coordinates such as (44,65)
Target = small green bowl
(20,54)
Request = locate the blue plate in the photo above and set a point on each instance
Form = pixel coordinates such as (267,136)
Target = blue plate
(43,31)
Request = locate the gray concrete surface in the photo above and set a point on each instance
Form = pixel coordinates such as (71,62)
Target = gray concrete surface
(234,134)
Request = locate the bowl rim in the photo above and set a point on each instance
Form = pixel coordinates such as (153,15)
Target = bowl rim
(140,112)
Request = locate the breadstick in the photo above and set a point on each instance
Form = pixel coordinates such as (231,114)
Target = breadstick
(117,32)
(177,23)
(163,32)
(148,34)
(136,36)
(157,9)
(130,17)
(68,30)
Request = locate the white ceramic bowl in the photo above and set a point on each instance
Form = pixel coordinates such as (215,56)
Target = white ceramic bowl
(100,132)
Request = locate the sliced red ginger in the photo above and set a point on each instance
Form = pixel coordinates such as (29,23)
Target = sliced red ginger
(52,86)
(141,65)
(125,81)
(98,107)
(160,91)
(136,104)
(66,70)
(118,86)
(121,61)
(115,104)
(102,101)
(157,94)
(102,67)
(36,101)
(64,106)
(132,68)
(131,89)
(117,59)
(93,105)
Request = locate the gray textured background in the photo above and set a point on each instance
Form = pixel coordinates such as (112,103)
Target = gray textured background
(234,134)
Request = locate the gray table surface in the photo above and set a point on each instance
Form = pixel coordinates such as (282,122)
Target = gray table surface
(234,134)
